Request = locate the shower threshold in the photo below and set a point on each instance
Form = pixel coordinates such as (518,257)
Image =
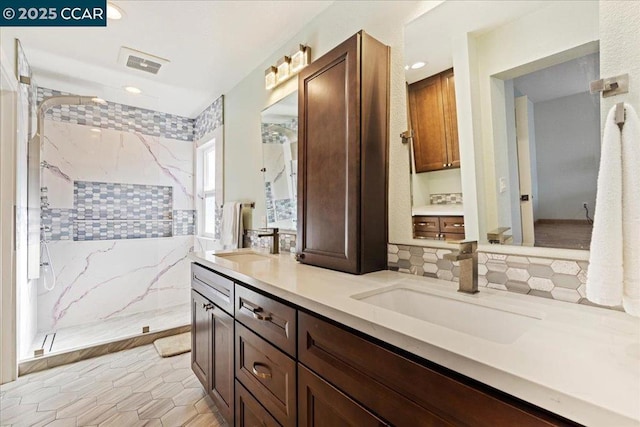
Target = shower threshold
(115,334)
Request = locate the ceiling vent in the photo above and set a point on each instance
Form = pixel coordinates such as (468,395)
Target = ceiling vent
(140,61)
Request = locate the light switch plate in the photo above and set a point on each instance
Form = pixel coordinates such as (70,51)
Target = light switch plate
(503,184)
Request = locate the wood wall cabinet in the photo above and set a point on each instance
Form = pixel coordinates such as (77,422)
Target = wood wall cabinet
(432,106)
(343,115)
(438,227)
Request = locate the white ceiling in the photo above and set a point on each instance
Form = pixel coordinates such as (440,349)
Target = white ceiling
(212,46)
(558,81)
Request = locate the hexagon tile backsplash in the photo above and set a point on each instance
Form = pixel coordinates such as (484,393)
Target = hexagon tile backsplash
(557,279)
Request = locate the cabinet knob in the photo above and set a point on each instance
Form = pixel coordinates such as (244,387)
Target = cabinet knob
(208,306)
(261,371)
(444,165)
(299,256)
(450,164)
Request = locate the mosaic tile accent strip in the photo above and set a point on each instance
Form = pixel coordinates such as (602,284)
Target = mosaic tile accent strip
(210,119)
(270,205)
(113,201)
(251,240)
(111,230)
(558,279)
(271,134)
(57,224)
(184,222)
(121,117)
(446,199)
(285,209)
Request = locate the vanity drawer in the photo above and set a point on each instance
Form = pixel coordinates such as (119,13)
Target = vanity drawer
(269,318)
(249,412)
(452,236)
(426,235)
(402,391)
(426,223)
(452,224)
(218,289)
(268,373)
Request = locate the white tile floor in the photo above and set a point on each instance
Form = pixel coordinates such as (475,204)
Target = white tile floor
(130,388)
(82,336)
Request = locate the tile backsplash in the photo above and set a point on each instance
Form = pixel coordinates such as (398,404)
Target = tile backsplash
(563,280)
(446,199)
(287,241)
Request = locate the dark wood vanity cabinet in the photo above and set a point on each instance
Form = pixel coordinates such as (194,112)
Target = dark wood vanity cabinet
(212,351)
(399,391)
(432,106)
(343,114)
(294,368)
(212,336)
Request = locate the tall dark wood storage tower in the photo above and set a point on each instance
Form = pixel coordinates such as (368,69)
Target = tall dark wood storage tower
(343,107)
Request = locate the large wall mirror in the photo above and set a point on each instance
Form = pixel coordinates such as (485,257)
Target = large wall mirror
(280,162)
(522,73)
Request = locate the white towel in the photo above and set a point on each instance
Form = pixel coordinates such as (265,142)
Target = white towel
(631,212)
(614,266)
(231,213)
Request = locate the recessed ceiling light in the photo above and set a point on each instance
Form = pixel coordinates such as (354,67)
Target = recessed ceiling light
(132,89)
(418,65)
(96,130)
(114,12)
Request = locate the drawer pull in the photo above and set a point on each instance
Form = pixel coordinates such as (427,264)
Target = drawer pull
(261,371)
(457,225)
(207,307)
(426,223)
(256,312)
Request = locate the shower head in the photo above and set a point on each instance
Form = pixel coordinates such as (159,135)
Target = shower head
(54,101)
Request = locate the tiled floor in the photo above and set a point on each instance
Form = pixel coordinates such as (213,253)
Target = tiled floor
(131,388)
(109,330)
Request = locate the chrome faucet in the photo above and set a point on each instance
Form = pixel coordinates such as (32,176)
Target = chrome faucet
(467,255)
(275,247)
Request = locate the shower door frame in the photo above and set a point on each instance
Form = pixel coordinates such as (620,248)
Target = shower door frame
(8,302)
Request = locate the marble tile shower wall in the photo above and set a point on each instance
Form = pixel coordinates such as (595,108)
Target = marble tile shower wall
(134,185)
(446,199)
(558,279)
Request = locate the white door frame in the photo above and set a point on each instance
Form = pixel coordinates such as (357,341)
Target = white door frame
(524,169)
(8,303)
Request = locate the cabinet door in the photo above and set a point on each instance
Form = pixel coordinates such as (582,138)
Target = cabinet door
(200,334)
(451,118)
(322,405)
(329,159)
(221,375)
(427,122)
(249,412)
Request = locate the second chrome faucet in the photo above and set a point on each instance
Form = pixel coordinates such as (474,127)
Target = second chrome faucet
(275,246)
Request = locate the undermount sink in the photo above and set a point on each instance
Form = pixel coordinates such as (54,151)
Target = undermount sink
(248,256)
(472,315)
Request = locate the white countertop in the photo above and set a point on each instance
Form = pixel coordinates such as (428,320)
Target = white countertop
(438,210)
(578,361)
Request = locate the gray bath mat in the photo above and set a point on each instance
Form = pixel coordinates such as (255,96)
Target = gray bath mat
(173,345)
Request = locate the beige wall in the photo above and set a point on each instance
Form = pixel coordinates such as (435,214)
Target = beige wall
(384,20)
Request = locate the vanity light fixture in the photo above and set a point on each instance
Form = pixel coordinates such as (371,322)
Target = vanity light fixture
(114,12)
(284,70)
(133,89)
(270,77)
(417,65)
(287,67)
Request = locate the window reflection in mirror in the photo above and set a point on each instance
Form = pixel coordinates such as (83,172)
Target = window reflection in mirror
(280,161)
